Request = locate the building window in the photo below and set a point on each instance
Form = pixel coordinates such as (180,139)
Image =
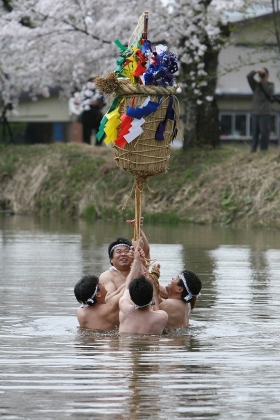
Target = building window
(238,126)
(240,129)
(226,125)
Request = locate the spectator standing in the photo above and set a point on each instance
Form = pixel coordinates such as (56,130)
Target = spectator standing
(261,109)
(92,101)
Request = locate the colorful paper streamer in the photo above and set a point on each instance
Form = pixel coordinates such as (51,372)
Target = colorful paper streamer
(101,133)
(168,116)
(133,120)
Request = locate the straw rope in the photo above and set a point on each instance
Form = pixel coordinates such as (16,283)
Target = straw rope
(111,85)
(126,88)
(155,274)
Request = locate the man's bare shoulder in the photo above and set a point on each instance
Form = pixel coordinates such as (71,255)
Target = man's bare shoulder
(161,314)
(82,316)
(95,310)
(125,303)
(98,317)
(80,313)
(169,303)
(107,275)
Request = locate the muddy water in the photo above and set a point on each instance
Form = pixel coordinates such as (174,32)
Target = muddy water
(225,365)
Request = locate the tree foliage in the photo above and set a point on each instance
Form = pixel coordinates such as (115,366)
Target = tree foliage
(49,44)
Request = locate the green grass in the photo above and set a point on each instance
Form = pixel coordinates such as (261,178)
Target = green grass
(162,218)
(73,180)
(8,163)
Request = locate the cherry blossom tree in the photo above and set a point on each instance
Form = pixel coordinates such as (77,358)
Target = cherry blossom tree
(47,44)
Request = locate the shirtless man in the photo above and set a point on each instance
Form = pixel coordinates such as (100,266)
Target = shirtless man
(97,315)
(121,258)
(137,315)
(182,293)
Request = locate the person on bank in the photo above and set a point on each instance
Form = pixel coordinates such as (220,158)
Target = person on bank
(261,108)
(95,313)
(182,293)
(139,313)
(121,258)
(93,101)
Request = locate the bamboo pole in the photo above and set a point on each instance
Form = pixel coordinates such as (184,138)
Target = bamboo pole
(146,18)
(139,183)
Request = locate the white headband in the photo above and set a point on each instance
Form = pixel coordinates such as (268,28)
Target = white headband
(189,295)
(144,306)
(90,300)
(115,246)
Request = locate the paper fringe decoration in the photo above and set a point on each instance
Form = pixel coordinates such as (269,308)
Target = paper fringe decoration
(121,130)
(143,64)
(109,124)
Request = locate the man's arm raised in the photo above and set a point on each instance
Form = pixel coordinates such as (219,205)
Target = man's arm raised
(135,271)
(145,243)
(114,298)
(154,277)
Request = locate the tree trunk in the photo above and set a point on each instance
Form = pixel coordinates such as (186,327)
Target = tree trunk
(189,119)
(208,126)
(201,122)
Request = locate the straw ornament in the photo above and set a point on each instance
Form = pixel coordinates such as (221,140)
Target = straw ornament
(144,116)
(108,84)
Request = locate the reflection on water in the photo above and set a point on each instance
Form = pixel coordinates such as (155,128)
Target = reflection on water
(224,365)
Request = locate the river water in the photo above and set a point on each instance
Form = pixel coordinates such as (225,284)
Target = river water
(225,365)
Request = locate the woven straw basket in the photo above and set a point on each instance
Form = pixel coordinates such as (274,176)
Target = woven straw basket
(145,156)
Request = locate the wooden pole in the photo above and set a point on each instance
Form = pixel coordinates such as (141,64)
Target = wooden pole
(146,19)
(139,182)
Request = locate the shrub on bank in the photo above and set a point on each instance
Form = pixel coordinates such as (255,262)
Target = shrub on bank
(226,185)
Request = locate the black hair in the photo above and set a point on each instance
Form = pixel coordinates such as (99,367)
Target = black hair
(193,283)
(141,291)
(118,241)
(85,288)
(267,72)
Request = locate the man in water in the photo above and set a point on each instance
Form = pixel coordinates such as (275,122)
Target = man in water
(95,313)
(182,293)
(139,314)
(121,258)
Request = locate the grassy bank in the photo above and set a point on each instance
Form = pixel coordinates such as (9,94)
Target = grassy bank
(223,186)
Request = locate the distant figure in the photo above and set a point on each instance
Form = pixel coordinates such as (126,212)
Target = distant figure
(92,101)
(263,91)
(95,313)
(182,293)
(139,313)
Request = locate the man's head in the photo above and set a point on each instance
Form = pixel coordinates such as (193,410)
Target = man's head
(186,287)
(118,252)
(263,73)
(88,290)
(141,291)
(191,286)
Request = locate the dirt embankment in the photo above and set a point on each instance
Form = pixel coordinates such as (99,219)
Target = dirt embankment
(223,186)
